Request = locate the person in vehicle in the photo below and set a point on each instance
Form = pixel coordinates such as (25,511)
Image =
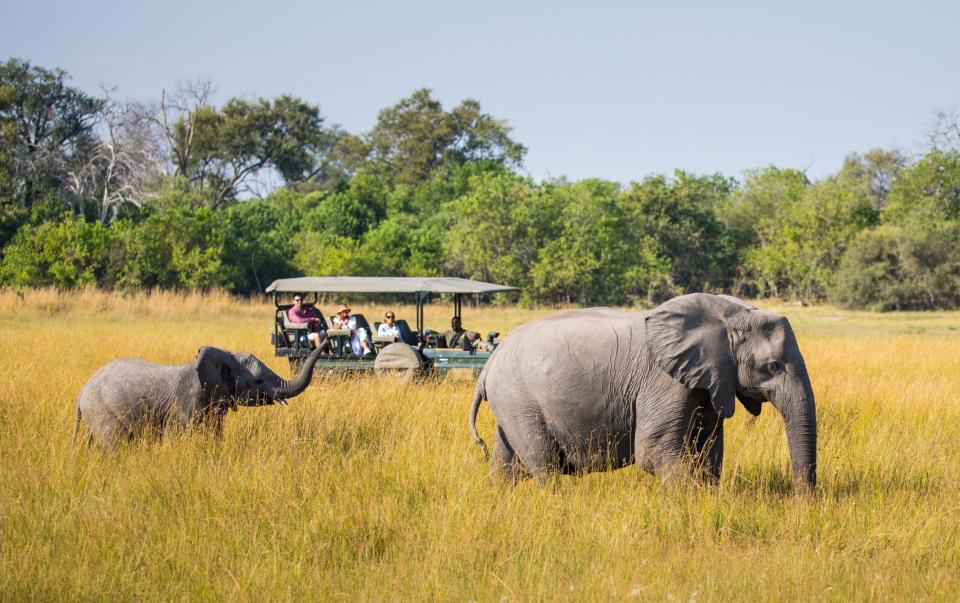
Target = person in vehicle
(458,337)
(389,328)
(301,313)
(360,343)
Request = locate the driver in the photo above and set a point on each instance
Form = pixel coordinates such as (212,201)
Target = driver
(458,337)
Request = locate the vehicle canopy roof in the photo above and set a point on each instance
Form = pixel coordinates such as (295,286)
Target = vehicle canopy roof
(384,284)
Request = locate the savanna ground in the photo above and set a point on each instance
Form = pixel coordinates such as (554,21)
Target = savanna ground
(368,490)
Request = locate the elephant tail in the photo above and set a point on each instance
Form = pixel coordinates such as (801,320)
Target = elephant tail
(76,426)
(477,399)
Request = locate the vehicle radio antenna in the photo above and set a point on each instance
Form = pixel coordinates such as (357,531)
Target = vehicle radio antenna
(254,268)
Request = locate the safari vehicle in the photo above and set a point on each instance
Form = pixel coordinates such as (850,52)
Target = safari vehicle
(420,351)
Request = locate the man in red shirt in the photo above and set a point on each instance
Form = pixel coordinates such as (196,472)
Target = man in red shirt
(300,313)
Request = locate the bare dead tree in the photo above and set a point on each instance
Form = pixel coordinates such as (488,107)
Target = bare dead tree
(181,106)
(944,132)
(124,165)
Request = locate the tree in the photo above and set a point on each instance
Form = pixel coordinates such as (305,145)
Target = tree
(680,215)
(177,115)
(65,254)
(902,268)
(927,192)
(494,232)
(808,239)
(876,170)
(46,127)
(179,243)
(753,217)
(227,148)
(416,136)
(944,133)
(588,261)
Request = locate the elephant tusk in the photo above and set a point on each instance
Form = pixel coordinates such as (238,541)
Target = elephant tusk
(282,402)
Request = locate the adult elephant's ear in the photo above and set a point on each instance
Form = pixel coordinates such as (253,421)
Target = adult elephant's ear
(687,337)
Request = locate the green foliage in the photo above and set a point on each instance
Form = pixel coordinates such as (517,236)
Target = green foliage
(586,255)
(341,215)
(902,268)
(791,234)
(223,148)
(431,191)
(402,247)
(494,232)
(325,254)
(928,192)
(177,242)
(876,169)
(680,231)
(257,249)
(416,136)
(64,254)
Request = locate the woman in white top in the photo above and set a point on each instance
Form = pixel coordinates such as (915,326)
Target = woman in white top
(389,328)
(360,342)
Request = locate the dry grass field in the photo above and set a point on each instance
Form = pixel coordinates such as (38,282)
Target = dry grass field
(368,490)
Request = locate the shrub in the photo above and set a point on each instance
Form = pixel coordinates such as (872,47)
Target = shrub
(65,254)
(902,268)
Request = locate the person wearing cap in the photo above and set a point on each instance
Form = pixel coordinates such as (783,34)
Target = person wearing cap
(360,342)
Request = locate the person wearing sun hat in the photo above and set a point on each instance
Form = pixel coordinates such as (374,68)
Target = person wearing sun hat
(360,342)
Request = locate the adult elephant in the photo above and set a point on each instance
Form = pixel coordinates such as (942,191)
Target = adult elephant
(128,396)
(595,389)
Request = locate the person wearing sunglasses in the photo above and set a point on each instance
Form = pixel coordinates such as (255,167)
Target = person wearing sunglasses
(389,328)
(302,313)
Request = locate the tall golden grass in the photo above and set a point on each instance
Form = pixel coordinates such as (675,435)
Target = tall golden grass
(366,489)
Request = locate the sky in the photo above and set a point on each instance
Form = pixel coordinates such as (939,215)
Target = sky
(613,90)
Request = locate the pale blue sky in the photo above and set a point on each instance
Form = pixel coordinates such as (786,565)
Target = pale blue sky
(615,90)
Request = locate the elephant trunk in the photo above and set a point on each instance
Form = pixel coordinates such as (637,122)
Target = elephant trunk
(288,389)
(796,406)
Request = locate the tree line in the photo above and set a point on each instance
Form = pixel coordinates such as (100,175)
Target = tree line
(182,193)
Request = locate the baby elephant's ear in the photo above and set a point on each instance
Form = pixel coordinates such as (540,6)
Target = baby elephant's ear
(214,372)
(687,337)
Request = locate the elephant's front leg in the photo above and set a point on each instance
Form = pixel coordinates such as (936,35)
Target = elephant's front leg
(705,443)
(211,420)
(678,436)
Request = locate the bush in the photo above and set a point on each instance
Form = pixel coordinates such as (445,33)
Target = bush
(902,268)
(64,254)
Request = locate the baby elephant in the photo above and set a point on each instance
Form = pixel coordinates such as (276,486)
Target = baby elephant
(128,396)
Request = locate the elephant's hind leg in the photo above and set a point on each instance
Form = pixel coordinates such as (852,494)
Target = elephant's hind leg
(539,452)
(504,464)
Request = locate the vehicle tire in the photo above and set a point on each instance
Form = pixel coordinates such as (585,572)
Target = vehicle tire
(398,361)
(402,375)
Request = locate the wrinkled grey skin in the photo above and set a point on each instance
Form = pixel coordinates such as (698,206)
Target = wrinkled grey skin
(598,389)
(129,396)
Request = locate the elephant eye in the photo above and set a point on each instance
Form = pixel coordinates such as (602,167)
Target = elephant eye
(259,381)
(773,367)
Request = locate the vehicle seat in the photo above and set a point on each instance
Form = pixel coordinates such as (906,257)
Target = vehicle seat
(406,335)
(434,339)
